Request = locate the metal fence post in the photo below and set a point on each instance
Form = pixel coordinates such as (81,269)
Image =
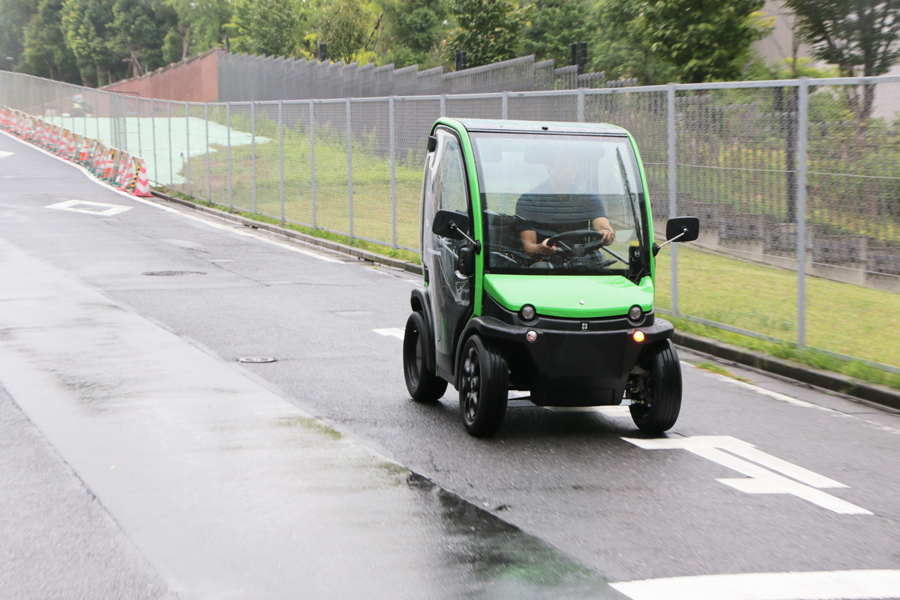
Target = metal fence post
(281,157)
(187,152)
(140,147)
(312,159)
(393,173)
(153,128)
(253,150)
(350,168)
(673,198)
(802,109)
(169,121)
(580,108)
(504,105)
(208,183)
(443,106)
(228,130)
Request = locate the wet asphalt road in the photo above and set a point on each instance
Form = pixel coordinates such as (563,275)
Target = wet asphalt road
(104,364)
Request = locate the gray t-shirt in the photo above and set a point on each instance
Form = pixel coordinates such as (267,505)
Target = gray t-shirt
(548,213)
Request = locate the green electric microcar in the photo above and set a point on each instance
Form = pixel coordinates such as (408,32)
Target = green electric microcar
(538,257)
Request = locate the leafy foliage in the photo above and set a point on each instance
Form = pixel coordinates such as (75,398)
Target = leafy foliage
(618,47)
(704,40)
(488,30)
(45,52)
(553,25)
(267,27)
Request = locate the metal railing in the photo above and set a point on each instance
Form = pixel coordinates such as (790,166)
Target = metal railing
(791,179)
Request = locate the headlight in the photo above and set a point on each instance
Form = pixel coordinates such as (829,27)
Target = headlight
(527,313)
(635,313)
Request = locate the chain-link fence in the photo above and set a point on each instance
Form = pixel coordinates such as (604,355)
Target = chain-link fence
(796,183)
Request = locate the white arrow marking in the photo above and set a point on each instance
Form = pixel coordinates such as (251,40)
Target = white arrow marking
(5,154)
(761,480)
(819,585)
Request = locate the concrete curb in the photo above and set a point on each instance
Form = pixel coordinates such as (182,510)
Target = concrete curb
(827,380)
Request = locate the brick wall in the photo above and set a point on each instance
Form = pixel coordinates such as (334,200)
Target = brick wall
(192,80)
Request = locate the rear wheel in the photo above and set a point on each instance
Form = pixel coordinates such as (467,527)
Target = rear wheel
(483,387)
(423,385)
(661,401)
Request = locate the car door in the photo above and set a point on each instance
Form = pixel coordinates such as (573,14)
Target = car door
(450,292)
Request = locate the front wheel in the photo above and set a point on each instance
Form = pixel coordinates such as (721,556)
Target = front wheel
(423,385)
(483,387)
(661,401)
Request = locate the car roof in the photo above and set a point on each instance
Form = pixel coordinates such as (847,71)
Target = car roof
(539,126)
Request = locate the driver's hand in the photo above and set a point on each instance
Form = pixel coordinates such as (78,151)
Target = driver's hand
(609,236)
(547,249)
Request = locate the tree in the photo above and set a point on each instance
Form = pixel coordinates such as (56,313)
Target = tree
(200,26)
(87,27)
(347,27)
(554,24)
(488,30)
(618,48)
(859,36)
(45,53)
(415,27)
(139,30)
(14,16)
(266,27)
(703,40)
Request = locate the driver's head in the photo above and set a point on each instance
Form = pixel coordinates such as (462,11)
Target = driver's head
(562,169)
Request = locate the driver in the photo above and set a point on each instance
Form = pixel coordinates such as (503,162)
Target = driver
(559,205)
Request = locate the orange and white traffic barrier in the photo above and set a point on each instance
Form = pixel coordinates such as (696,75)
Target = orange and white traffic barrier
(63,144)
(85,149)
(127,183)
(110,163)
(121,167)
(142,183)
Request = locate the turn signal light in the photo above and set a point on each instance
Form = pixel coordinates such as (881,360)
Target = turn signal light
(638,336)
(531,335)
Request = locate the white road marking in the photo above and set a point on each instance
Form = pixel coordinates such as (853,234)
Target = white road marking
(817,585)
(5,154)
(91,208)
(757,389)
(725,451)
(290,247)
(391,332)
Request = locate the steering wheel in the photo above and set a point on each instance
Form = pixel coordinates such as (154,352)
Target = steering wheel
(580,240)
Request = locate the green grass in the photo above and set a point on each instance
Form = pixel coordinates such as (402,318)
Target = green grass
(720,370)
(840,317)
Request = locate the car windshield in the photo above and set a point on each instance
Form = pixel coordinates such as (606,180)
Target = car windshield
(558,204)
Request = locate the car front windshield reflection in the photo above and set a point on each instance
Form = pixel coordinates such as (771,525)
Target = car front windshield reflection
(558,204)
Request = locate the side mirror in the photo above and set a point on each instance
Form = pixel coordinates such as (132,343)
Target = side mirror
(432,143)
(450,225)
(466,261)
(682,229)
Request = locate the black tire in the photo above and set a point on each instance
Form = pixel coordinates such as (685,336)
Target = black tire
(423,385)
(662,401)
(483,387)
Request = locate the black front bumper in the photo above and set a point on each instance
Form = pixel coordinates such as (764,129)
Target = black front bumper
(571,362)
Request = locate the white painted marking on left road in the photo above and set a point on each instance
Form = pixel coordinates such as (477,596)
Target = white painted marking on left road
(816,585)
(761,480)
(91,208)
(391,332)
(5,154)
